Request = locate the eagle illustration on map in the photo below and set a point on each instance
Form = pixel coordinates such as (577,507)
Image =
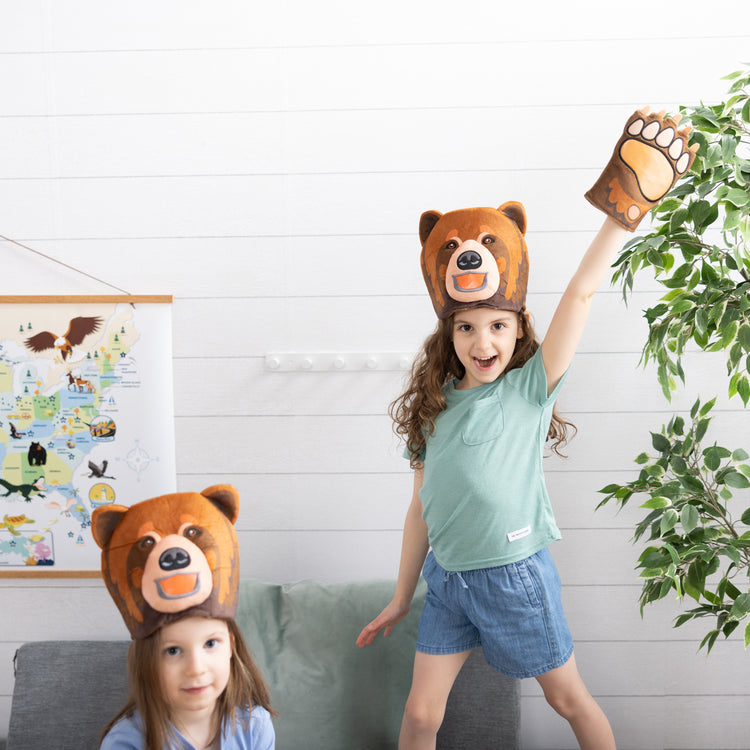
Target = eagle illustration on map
(78,329)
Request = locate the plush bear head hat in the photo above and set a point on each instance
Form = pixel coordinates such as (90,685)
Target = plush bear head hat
(170,557)
(475,257)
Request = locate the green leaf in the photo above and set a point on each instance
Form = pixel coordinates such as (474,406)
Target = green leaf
(743,388)
(701,321)
(729,334)
(656,502)
(696,575)
(694,409)
(732,554)
(653,559)
(668,521)
(707,407)
(700,430)
(738,197)
(660,443)
(678,464)
(689,518)
(709,640)
(677,426)
(666,586)
(690,590)
(711,460)
(741,607)
(735,479)
(731,76)
(692,483)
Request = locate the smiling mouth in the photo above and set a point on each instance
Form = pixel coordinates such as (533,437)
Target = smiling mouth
(196,690)
(469,282)
(178,585)
(486,363)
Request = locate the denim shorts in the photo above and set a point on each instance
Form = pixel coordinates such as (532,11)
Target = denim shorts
(513,612)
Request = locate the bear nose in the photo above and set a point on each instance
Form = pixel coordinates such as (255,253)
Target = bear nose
(469,260)
(174,559)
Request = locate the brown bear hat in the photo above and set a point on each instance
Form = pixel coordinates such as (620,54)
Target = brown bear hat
(475,257)
(170,557)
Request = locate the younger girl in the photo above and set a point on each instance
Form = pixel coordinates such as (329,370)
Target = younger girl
(172,567)
(475,416)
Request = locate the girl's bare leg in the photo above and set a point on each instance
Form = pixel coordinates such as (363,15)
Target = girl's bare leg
(565,692)
(425,708)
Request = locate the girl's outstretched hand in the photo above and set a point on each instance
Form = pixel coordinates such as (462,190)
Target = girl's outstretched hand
(392,614)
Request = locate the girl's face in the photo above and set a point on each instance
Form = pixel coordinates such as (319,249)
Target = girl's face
(194,663)
(484,340)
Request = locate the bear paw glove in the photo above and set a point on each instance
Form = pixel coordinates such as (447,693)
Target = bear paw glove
(649,158)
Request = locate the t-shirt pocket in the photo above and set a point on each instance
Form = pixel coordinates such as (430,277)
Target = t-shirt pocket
(485,422)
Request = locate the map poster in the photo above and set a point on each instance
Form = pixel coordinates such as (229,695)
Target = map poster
(86,418)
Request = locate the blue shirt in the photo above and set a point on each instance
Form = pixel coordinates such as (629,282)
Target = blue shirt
(127,734)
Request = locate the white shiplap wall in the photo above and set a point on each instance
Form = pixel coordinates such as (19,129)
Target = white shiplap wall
(267,165)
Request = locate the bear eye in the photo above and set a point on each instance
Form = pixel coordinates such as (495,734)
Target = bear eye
(192,532)
(451,245)
(488,240)
(147,542)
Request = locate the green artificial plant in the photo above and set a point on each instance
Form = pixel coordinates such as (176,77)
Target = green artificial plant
(697,500)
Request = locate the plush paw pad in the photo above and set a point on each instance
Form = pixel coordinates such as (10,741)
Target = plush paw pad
(651,155)
(656,154)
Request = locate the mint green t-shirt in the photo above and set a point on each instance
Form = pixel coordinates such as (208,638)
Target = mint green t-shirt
(484,498)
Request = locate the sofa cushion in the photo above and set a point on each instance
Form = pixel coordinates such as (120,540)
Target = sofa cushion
(329,693)
(332,695)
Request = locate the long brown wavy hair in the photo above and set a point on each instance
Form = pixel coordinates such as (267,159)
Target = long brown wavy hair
(245,689)
(415,410)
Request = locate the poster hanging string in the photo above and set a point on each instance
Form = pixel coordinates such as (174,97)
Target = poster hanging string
(59,262)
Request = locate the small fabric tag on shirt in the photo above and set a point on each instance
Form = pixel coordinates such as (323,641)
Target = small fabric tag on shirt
(514,536)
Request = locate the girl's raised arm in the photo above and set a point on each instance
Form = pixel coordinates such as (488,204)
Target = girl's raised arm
(565,330)
(649,158)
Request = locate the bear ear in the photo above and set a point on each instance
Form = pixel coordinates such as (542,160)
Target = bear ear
(225,498)
(427,223)
(104,520)
(516,213)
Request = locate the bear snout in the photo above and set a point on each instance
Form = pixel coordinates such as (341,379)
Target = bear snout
(174,558)
(469,260)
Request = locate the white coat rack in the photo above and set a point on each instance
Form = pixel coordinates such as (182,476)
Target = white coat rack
(337,361)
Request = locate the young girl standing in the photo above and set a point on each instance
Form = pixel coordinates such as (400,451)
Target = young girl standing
(171,564)
(476,415)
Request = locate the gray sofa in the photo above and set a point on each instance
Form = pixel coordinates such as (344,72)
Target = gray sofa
(329,694)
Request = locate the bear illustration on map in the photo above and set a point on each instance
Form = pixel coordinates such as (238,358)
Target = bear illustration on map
(37,455)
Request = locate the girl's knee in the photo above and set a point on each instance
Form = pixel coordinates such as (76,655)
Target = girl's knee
(570,704)
(422,718)
(561,702)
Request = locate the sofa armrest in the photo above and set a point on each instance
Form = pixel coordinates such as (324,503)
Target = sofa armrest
(65,692)
(483,711)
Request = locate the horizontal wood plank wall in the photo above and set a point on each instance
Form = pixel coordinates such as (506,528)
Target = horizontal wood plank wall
(266,163)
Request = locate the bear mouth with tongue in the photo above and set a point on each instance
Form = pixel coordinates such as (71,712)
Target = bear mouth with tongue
(176,575)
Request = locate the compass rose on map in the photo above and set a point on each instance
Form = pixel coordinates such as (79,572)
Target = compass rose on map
(138,460)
